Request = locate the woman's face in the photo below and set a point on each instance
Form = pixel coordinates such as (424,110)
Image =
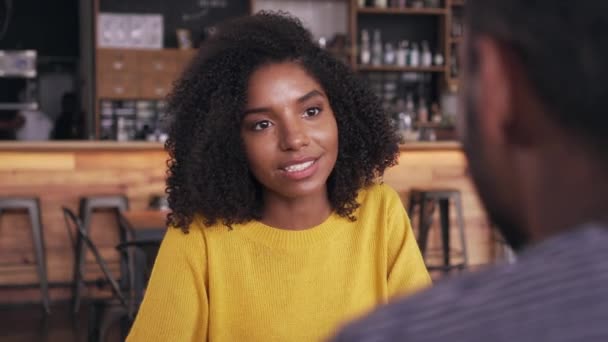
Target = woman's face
(289,132)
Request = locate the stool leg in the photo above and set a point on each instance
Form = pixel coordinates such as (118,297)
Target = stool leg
(125,256)
(80,255)
(36,223)
(423,233)
(425,222)
(411,205)
(128,259)
(444,207)
(463,240)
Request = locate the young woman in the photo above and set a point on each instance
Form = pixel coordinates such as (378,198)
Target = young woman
(283,229)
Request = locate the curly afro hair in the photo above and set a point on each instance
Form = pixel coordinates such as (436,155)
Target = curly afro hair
(208,173)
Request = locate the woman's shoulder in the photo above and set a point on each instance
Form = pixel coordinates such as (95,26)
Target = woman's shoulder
(197,229)
(380,194)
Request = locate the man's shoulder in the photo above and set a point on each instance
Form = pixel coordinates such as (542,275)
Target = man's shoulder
(431,311)
(550,286)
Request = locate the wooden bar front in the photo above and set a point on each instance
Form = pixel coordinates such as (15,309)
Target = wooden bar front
(60,173)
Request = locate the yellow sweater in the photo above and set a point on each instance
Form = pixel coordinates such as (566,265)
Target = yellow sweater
(258,283)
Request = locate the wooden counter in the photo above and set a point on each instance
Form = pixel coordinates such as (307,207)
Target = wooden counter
(116,146)
(61,172)
(84,145)
(431,146)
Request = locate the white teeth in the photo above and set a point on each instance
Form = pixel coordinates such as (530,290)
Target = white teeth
(299,167)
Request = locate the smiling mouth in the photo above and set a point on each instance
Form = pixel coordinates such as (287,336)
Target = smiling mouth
(299,167)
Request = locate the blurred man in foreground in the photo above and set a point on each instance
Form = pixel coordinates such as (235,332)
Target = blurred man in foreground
(534,129)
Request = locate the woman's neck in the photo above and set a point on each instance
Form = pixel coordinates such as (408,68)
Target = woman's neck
(296,213)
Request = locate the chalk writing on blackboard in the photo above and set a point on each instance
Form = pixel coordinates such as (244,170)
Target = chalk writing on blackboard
(203,9)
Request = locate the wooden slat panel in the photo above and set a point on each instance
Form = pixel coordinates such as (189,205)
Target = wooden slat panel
(36,161)
(121,160)
(59,178)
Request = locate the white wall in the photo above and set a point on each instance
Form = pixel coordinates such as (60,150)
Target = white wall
(322,18)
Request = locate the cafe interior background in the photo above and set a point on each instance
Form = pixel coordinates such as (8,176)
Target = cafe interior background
(83,87)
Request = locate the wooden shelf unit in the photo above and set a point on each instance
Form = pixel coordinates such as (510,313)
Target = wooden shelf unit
(452,83)
(444,41)
(456,40)
(395,68)
(402,11)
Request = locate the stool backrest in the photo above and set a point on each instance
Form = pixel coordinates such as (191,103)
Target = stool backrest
(77,232)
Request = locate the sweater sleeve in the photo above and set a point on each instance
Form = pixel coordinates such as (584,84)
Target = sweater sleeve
(407,272)
(175,305)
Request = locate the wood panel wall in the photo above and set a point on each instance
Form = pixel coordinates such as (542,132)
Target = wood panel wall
(59,177)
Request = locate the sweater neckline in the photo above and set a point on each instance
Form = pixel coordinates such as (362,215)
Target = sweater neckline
(286,238)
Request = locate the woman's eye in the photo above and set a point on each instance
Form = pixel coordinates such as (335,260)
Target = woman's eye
(261,125)
(314,111)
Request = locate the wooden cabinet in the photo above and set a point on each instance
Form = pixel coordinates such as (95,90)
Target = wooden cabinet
(138,74)
(128,74)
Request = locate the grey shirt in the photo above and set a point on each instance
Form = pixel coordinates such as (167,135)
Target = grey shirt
(557,291)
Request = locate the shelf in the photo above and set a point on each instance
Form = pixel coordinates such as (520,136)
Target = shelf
(456,40)
(448,145)
(403,11)
(433,125)
(400,68)
(19,106)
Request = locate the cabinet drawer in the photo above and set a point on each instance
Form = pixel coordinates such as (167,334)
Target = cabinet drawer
(116,60)
(183,59)
(161,61)
(156,87)
(117,86)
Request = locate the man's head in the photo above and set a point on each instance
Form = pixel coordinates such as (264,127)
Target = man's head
(534,100)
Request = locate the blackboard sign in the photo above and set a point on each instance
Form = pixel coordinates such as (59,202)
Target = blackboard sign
(197,16)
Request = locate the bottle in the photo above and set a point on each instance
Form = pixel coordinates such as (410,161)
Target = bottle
(454,66)
(436,116)
(121,130)
(427,56)
(402,53)
(423,112)
(381,3)
(389,54)
(366,53)
(322,42)
(439,60)
(417,3)
(409,105)
(408,118)
(377,49)
(432,3)
(415,56)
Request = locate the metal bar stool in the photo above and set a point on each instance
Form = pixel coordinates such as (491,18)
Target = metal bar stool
(426,200)
(32,206)
(88,205)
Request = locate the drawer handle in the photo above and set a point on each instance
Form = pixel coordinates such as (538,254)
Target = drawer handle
(159,66)
(118,65)
(119,90)
(159,91)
